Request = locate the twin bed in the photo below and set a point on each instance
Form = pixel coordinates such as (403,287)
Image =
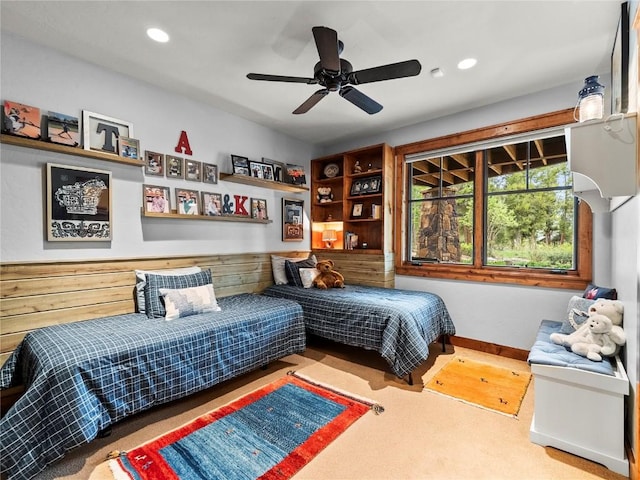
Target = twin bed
(82,377)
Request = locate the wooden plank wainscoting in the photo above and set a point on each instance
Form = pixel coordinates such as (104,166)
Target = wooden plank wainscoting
(360,267)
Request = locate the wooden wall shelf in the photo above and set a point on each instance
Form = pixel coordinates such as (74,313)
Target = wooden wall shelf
(221,218)
(67,150)
(260,182)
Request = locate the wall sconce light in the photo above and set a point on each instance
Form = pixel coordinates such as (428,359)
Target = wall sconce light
(590,100)
(328,237)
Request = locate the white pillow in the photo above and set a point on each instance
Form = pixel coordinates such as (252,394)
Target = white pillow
(308,275)
(182,302)
(277,267)
(141,281)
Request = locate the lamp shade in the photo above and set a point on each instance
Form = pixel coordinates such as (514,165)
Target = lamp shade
(591,99)
(329,236)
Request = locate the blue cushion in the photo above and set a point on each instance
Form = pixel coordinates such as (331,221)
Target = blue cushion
(292,270)
(153,298)
(594,292)
(577,306)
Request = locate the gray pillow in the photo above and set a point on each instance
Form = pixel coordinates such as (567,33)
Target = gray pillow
(577,314)
(141,282)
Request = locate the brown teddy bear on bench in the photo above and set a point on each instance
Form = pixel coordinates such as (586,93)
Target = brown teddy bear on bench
(328,277)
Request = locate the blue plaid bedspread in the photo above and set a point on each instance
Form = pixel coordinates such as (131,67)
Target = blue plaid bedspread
(82,377)
(399,324)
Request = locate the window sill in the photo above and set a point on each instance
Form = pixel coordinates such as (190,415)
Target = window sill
(569,281)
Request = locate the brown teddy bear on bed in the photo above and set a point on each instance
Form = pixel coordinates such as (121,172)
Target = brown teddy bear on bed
(328,277)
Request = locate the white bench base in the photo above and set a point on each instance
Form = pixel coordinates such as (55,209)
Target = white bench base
(581,413)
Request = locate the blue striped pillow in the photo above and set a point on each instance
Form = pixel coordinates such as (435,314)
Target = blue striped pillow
(152,296)
(292,270)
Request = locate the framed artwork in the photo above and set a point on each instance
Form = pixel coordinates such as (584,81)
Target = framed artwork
(102,133)
(63,129)
(620,64)
(175,167)
(357,210)
(211,204)
(153,163)
(209,173)
(256,169)
(128,147)
(240,165)
(187,202)
(292,220)
(267,171)
(296,175)
(366,186)
(21,120)
(78,204)
(259,209)
(192,170)
(156,199)
(279,169)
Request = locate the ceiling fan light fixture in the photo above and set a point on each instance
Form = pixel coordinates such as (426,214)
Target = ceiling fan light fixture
(467,63)
(157,35)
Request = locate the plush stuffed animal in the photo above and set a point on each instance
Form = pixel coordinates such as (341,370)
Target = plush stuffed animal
(324,195)
(603,339)
(328,277)
(612,309)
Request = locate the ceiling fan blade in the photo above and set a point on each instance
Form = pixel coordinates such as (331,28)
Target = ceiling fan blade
(281,78)
(408,68)
(360,100)
(327,44)
(311,101)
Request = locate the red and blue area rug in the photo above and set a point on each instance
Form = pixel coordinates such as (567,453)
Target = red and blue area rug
(268,434)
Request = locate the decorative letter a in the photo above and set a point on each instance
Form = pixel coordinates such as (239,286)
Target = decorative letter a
(183,144)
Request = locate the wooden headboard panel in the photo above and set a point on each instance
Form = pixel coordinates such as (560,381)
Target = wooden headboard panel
(38,294)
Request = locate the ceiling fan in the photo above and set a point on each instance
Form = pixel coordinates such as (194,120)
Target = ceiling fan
(336,74)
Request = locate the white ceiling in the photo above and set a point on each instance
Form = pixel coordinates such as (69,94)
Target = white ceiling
(521,46)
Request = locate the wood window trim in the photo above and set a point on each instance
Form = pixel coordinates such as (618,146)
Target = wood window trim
(574,280)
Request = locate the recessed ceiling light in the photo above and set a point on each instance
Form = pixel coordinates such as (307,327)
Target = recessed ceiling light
(158,35)
(467,63)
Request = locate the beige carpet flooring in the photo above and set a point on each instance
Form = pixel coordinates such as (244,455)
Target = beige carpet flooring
(421,435)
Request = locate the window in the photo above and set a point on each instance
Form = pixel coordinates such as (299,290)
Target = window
(476,207)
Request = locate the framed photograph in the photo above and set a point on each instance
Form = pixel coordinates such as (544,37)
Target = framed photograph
(78,204)
(129,147)
(279,169)
(175,167)
(209,173)
(256,169)
(63,129)
(267,171)
(102,133)
(211,204)
(21,120)
(187,202)
(156,199)
(296,175)
(240,165)
(192,170)
(153,163)
(366,186)
(357,210)
(292,220)
(259,209)
(620,64)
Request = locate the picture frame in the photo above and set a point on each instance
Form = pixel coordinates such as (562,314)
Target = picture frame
(175,166)
(240,165)
(187,201)
(256,169)
(620,63)
(209,173)
(296,175)
(63,129)
(100,132)
(78,204)
(192,170)
(153,163)
(366,186)
(156,199)
(267,171)
(292,220)
(279,169)
(21,120)
(211,204)
(128,147)
(356,211)
(259,209)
